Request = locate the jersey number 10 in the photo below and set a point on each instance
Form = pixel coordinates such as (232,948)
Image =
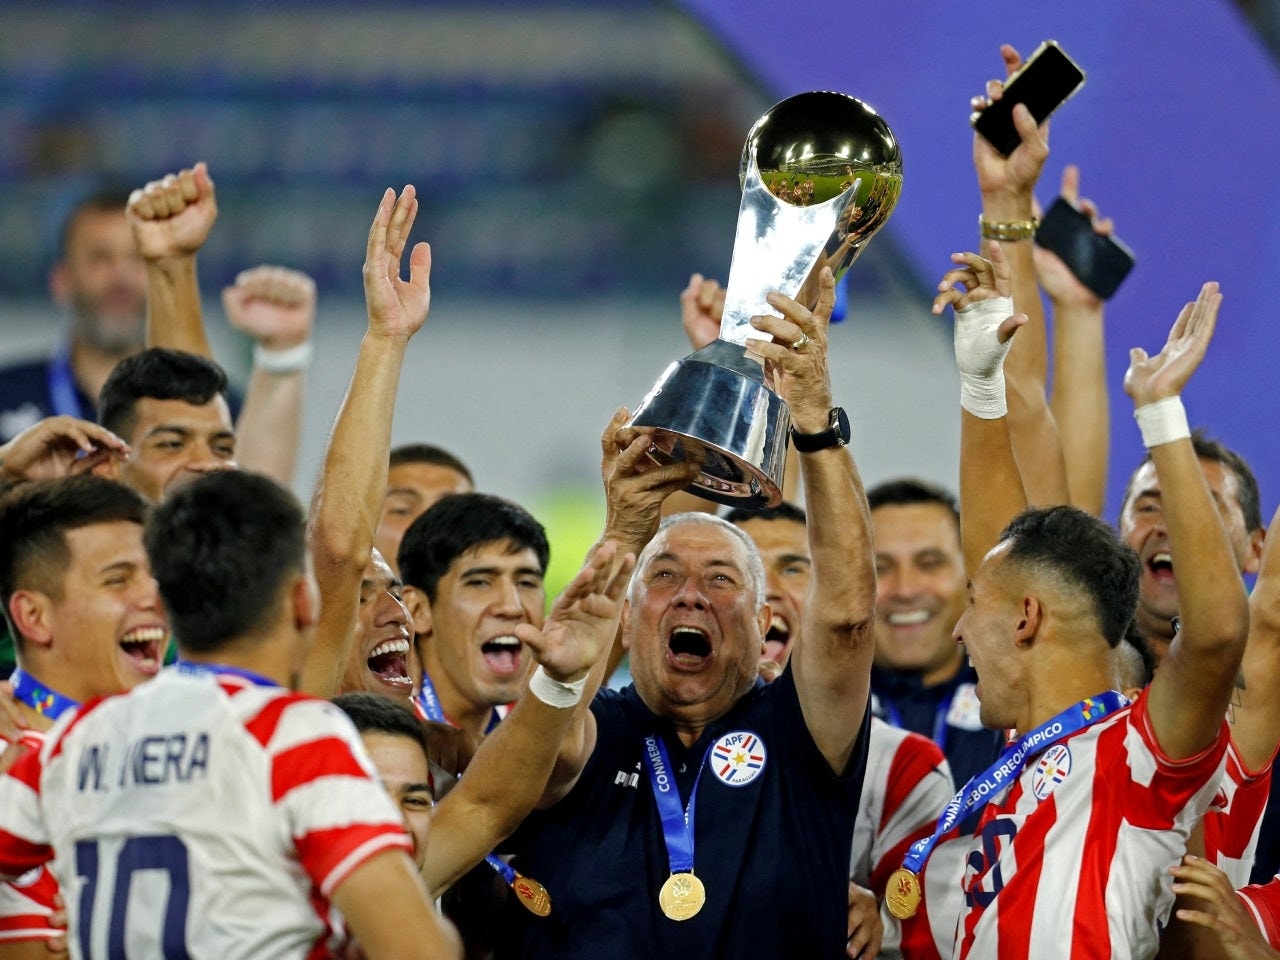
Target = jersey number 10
(165,854)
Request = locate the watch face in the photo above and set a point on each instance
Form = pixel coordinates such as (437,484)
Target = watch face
(840,424)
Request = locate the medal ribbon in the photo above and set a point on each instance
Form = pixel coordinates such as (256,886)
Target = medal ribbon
(677,821)
(429,701)
(986,785)
(46,702)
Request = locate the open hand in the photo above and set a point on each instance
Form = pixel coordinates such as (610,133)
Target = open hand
(397,307)
(1154,378)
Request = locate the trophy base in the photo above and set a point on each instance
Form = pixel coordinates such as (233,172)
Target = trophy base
(712,408)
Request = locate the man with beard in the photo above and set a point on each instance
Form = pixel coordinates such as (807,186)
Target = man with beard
(100,280)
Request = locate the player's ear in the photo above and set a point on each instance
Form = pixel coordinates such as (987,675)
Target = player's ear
(31,612)
(419,610)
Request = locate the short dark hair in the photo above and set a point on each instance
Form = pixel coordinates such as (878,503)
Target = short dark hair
(428,453)
(906,491)
(783,511)
(158,374)
(1208,448)
(1084,553)
(109,198)
(374,713)
(35,518)
(460,522)
(221,549)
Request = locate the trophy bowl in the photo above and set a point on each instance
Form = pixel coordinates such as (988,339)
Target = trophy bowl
(820,174)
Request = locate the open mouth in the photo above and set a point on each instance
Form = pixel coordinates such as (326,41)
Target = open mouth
(502,655)
(689,646)
(145,647)
(389,662)
(1161,566)
(777,639)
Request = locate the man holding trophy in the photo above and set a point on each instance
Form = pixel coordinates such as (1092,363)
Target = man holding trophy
(700,812)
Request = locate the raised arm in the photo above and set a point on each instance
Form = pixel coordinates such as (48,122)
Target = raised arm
(348,497)
(1080,401)
(991,491)
(1255,715)
(277,308)
(1189,696)
(1007,185)
(831,660)
(511,769)
(171,219)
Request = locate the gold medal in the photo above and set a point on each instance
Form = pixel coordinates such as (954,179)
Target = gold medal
(682,896)
(533,895)
(903,893)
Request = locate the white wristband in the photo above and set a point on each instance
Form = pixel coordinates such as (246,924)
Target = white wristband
(980,357)
(1162,422)
(556,693)
(289,360)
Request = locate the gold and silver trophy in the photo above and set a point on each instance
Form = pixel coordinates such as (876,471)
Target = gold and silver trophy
(820,174)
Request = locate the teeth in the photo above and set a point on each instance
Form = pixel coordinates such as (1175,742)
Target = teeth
(144,635)
(779,625)
(504,643)
(693,630)
(1162,558)
(390,646)
(909,618)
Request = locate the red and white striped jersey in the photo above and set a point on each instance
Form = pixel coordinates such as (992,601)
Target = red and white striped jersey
(1074,856)
(199,815)
(1232,822)
(906,784)
(26,903)
(1262,900)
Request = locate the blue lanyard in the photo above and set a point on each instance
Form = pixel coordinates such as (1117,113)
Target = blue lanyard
(429,701)
(984,786)
(62,385)
(46,702)
(940,728)
(677,821)
(257,679)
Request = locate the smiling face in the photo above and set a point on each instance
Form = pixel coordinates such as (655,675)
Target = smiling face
(920,589)
(986,630)
(1142,526)
(472,655)
(107,627)
(411,488)
(379,661)
(784,548)
(175,442)
(402,768)
(694,624)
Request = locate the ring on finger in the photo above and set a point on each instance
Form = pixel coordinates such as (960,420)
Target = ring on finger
(801,343)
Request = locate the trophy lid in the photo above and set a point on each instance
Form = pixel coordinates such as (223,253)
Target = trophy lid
(808,147)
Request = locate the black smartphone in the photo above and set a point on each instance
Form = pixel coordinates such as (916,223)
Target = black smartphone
(1099,262)
(1044,82)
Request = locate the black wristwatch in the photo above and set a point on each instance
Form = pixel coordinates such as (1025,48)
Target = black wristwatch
(836,435)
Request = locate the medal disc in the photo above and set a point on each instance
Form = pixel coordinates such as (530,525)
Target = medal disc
(682,896)
(533,895)
(902,894)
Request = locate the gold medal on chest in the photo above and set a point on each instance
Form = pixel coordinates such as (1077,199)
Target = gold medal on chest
(682,896)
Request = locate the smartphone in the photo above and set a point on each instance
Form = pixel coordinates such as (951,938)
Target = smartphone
(1044,82)
(1099,262)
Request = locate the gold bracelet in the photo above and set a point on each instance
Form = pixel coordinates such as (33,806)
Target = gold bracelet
(1007,229)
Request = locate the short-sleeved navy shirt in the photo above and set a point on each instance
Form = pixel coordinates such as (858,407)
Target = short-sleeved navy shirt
(773,853)
(945,712)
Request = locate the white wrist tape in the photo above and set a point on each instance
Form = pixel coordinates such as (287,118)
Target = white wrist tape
(556,693)
(1162,422)
(288,360)
(980,356)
